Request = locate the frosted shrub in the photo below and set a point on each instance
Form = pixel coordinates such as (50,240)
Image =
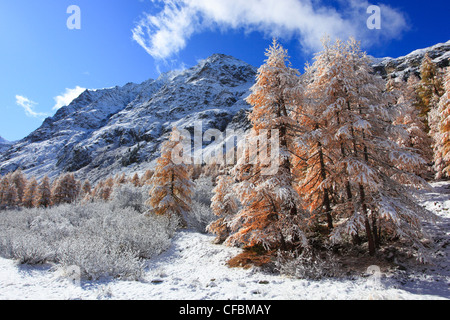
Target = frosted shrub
(200,216)
(25,248)
(102,239)
(97,257)
(308,265)
(203,190)
(129,196)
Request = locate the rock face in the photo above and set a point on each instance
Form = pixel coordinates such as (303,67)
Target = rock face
(120,129)
(410,64)
(109,131)
(4,145)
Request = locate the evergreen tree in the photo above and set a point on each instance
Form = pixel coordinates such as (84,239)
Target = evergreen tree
(369,170)
(442,138)
(271,216)
(224,205)
(430,88)
(20,181)
(171,187)
(411,133)
(8,192)
(29,196)
(44,194)
(65,189)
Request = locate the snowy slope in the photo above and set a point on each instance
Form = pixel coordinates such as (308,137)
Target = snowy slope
(402,67)
(4,145)
(107,131)
(195,269)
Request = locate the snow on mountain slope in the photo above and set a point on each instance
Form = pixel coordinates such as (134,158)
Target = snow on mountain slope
(404,66)
(107,131)
(4,145)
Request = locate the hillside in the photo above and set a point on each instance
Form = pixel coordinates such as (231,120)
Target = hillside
(108,131)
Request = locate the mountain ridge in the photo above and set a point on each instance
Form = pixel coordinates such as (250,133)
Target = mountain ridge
(117,129)
(120,129)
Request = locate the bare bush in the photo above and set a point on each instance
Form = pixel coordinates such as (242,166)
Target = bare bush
(102,239)
(308,265)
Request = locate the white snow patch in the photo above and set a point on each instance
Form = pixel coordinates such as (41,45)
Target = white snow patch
(195,269)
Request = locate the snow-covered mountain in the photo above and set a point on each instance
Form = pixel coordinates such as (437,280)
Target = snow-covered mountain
(406,65)
(120,129)
(4,145)
(114,130)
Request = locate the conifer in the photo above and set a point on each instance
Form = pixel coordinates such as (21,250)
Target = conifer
(29,196)
(271,216)
(171,187)
(44,194)
(224,205)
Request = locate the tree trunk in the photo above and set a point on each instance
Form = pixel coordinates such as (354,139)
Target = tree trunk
(326,195)
(369,233)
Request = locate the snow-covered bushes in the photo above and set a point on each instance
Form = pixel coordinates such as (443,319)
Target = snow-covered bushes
(200,214)
(308,265)
(102,239)
(130,196)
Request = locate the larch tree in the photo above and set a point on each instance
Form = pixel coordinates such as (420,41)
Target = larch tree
(29,196)
(65,189)
(224,205)
(20,181)
(86,188)
(135,180)
(44,194)
(372,168)
(171,192)
(8,192)
(412,133)
(429,89)
(442,136)
(327,97)
(271,216)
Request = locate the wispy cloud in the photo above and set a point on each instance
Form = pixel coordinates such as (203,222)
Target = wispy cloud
(167,32)
(28,105)
(67,97)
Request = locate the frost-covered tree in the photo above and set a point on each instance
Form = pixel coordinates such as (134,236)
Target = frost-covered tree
(44,194)
(369,169)
(29,196)
(429,89)
(172,188)
(270,215)
(411,131)
(135,180)
(8,192)
(86,188)
(65,189)
(224,205)
(319,114)
(20,181)
(442,132)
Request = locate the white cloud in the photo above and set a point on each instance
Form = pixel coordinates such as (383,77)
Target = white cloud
(166,33)
(28,105)
(67,97)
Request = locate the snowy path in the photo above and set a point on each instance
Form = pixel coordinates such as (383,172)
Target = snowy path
(195,269)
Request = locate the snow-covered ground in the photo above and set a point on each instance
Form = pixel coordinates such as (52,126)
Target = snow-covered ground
(195,269)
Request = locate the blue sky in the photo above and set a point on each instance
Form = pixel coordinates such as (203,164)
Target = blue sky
(44,64)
